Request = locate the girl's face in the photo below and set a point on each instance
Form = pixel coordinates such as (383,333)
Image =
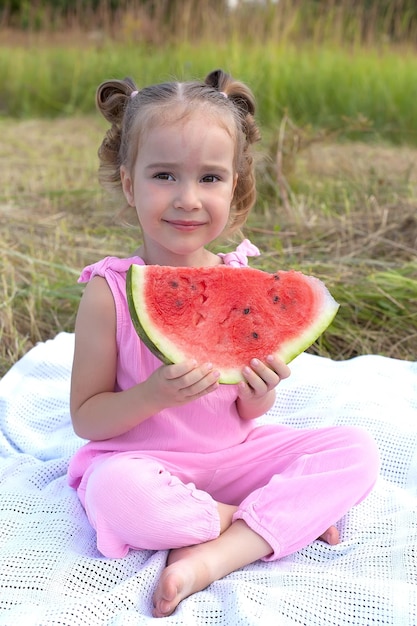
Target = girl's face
(182,185)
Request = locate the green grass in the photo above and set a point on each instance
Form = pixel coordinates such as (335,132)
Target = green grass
(368,93)
(337,169)
(349,217)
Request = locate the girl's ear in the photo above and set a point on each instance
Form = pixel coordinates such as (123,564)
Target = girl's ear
(127,185)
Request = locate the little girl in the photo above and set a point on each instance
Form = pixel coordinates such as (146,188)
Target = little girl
(175,460)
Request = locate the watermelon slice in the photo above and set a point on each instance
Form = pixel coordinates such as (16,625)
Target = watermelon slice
(226,315)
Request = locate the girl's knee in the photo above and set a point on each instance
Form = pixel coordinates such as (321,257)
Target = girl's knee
(136,502)
(120,479)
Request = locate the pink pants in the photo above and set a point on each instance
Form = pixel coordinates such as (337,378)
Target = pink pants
(290,485)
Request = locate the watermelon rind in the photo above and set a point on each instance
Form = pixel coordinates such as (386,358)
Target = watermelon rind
(134,283)
(168,352)
(291,349)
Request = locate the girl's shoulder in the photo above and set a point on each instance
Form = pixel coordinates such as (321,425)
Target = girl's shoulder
(112,263)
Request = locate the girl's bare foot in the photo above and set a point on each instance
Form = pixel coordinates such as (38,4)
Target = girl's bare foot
(185,574)
(192,569)
(331,536)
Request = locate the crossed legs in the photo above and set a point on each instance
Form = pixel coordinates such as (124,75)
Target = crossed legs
(283,487)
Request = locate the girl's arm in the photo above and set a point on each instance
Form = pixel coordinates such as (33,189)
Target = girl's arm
(97,411)
(257,392)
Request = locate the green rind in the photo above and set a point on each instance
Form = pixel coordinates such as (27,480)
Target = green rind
(136,321)
(292,349)
(170,354)
(287,352)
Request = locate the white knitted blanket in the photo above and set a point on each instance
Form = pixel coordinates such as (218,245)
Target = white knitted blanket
(51,572)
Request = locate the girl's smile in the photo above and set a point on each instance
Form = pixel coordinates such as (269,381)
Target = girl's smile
(182,186)
(184,225)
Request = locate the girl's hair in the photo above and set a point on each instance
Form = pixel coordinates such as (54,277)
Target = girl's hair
(132,112)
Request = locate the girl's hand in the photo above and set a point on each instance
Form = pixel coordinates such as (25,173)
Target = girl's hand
(180,383)
(256,394)
(261,378)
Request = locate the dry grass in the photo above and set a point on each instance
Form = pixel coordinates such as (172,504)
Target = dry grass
(349,218)
(162,21)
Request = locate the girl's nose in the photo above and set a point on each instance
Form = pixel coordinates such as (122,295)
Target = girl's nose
(188,197)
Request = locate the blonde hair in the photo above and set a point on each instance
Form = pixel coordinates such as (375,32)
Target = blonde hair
(131,112)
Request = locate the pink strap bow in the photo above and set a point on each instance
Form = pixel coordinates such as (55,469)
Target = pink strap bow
(239,258)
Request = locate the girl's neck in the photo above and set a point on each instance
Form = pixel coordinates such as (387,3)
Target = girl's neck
(200,258)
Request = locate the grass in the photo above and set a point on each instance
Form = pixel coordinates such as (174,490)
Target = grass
(336,85)
(322,86)
(343,211)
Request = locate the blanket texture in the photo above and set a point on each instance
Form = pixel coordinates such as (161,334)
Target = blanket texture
(52,573)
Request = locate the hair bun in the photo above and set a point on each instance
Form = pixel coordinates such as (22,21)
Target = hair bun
(216,79)
(112,96)
(241,96)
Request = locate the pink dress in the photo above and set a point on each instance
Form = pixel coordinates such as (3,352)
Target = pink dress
(157,486)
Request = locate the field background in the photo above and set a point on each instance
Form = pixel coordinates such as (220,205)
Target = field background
(336,85)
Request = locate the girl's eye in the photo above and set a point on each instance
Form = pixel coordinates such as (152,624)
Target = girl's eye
(164,176)
(210,178)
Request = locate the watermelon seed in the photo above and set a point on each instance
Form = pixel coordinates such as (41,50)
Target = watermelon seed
(276,277)
(246,311)
(255,335)
(173,283)
(276,298)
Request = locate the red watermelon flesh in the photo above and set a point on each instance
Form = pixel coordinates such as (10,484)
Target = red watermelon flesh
(226,315)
